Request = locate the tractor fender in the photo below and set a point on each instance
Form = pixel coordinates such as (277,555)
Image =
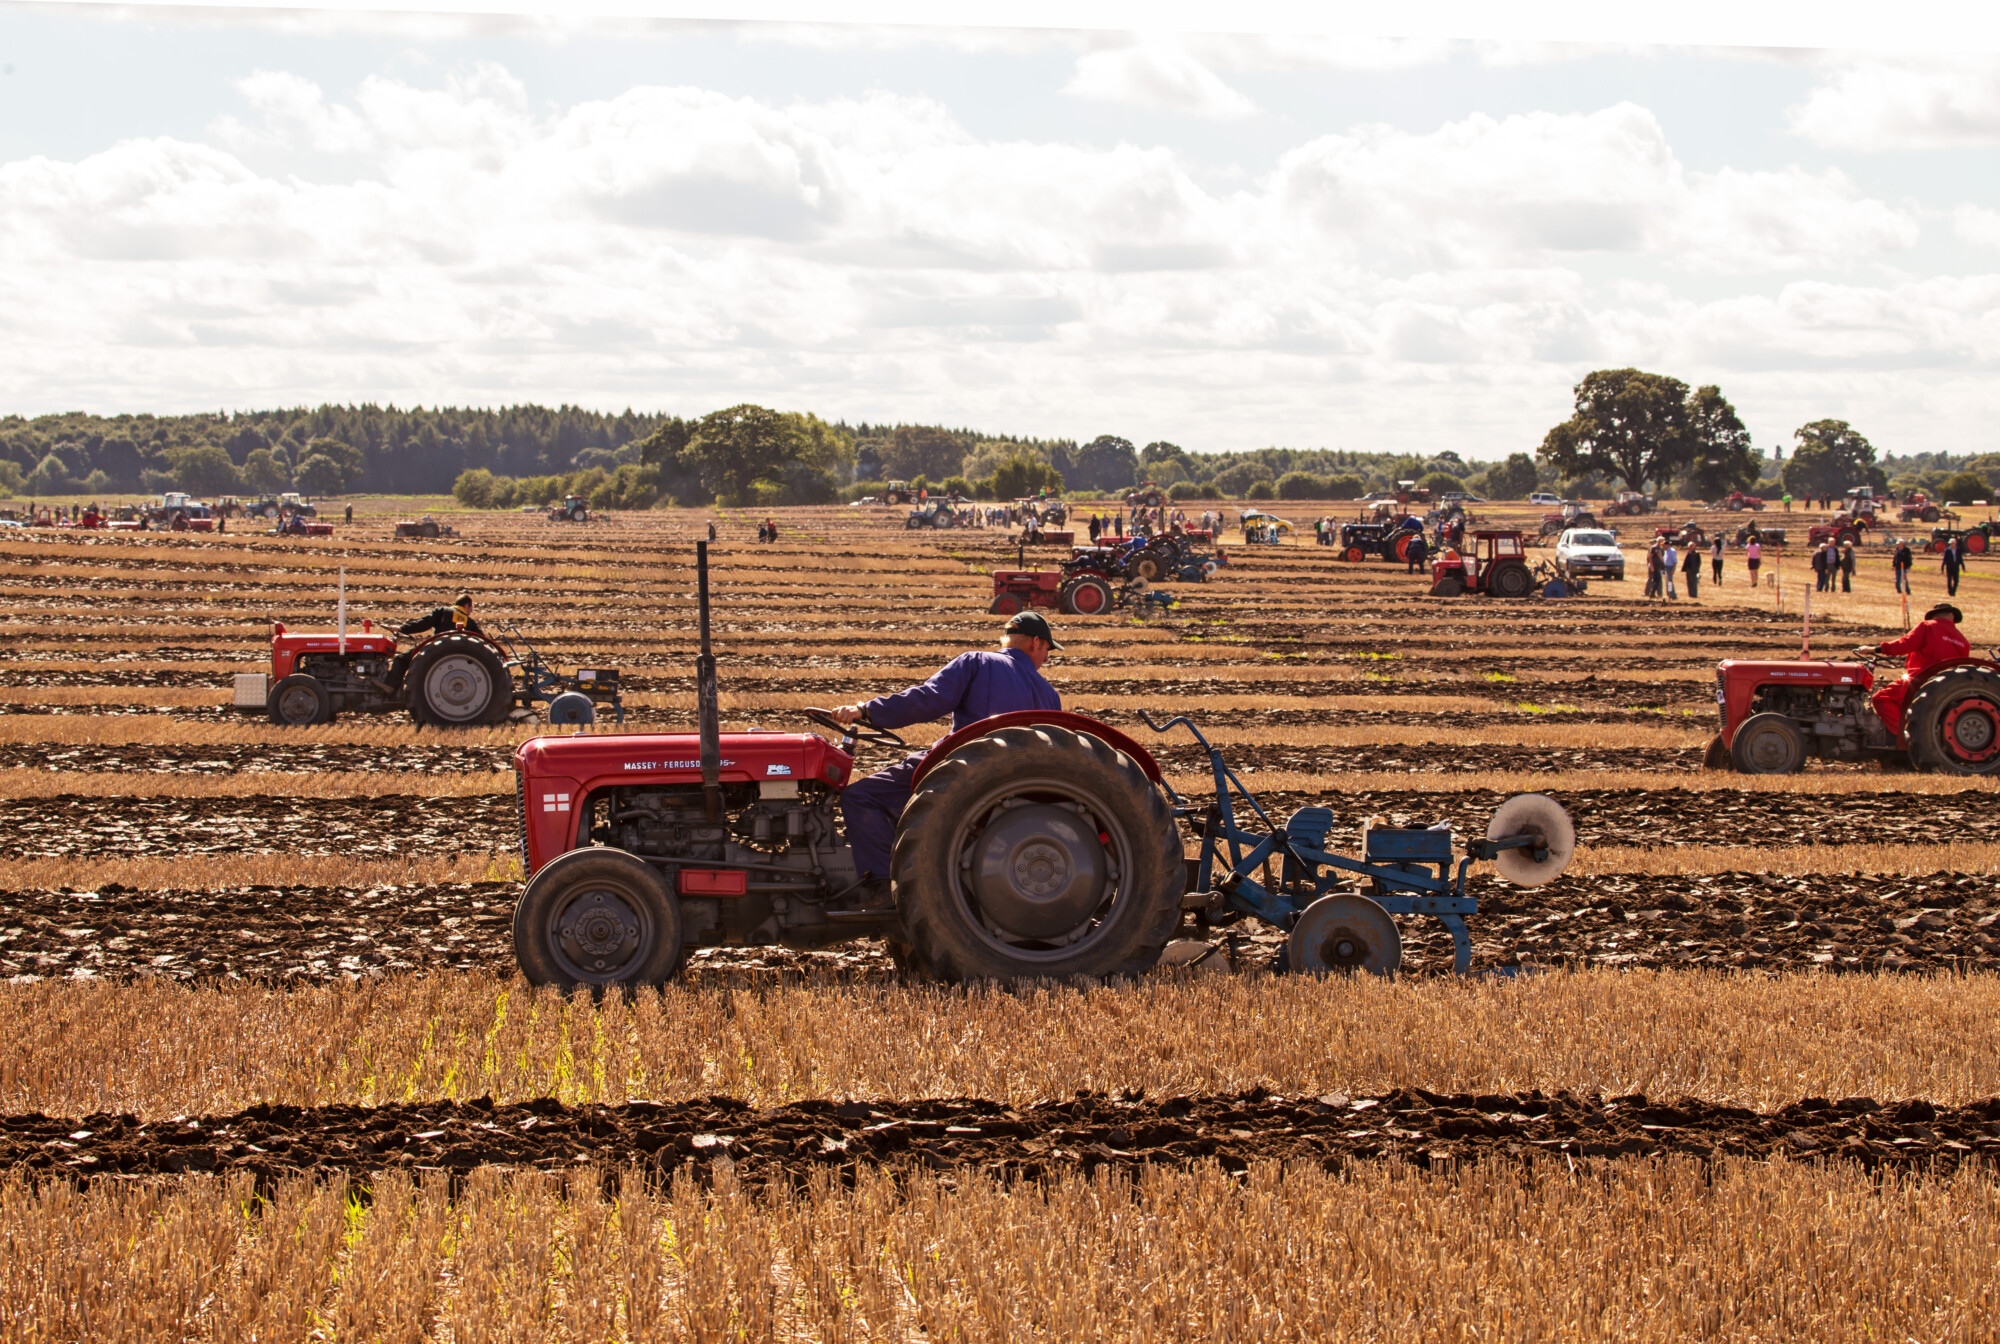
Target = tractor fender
(1055,718)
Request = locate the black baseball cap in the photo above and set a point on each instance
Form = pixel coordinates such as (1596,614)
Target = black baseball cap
(1033,625)
(1941,609)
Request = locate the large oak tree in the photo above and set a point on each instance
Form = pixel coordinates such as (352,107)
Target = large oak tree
(1641,427)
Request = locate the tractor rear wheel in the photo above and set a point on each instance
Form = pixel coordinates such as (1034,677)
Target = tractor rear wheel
(1930,514)
(299,700)
(579,514)
(1007,604)
(1087,596)
(1975,543)
(1148,566)
(1037,851)
(1768,744)
(1953,722)
(458,681)
(598,919)
(1511,581)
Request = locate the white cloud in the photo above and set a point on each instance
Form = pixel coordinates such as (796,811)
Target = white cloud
(1157,76)
(874,257)
(1525,189)
(1977,226)
(1881,106)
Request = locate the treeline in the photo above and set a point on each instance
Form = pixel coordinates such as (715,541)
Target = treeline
(323,451)
(1679,438)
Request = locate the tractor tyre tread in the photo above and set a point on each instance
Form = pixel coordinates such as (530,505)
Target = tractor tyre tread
(941,943)
(498,707)
(1923,715)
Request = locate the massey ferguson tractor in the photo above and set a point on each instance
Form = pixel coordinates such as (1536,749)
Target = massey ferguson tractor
(1039,844)
(455,680)
(1776,715)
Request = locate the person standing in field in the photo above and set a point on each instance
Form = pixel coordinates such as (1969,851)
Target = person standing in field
(1847,568)
(1900,566)
(1669,558)
(1653,570)
(1753,556)
(1691,567)
(1819,569)
(1715,563)
(1950,563)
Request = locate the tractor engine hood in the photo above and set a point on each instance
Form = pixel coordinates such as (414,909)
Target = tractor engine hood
(597,759)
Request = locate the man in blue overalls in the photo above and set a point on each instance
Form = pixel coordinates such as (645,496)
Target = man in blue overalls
(971,687)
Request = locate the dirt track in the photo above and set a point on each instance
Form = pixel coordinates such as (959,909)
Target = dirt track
(1423,1128)
(1735,920)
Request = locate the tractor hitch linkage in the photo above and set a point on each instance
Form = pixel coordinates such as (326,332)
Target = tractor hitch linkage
(1396,862)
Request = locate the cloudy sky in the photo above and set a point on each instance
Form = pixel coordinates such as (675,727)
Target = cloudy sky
(1224,240)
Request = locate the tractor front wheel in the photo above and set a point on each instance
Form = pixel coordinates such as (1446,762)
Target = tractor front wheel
(1037,852)
(299,700)
(1953,722)
(1356,555)
(1451,585)
(598,919)
(1007,604)
(1768,744)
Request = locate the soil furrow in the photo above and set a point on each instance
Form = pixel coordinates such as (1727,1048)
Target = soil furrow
(1088,1131)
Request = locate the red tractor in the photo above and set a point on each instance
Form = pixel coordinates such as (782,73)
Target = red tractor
(1736,501)
(1682,534)
(454,680)
(1016,590)
(1037,845)
(1777,714)
(1843,530)
(1918,507)
(1498,568)
(1630,504)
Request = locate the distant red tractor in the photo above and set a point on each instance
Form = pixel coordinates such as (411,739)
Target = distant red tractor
(1842,531)
(1630,504)
(1736,501)
(454,680)
(1918,507)
(1682,534)
(1778,714)
(1499,568)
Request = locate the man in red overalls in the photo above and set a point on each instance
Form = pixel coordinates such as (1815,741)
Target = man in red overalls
(1935,640)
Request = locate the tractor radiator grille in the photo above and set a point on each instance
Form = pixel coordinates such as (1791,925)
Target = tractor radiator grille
(521,813)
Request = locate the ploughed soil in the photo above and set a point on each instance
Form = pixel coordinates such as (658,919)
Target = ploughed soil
(1089,1131)
(386,825)
(1431,757)
(1744,921)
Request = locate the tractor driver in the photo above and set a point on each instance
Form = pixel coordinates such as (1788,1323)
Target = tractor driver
(1936,639)
(971,687)
(457,616)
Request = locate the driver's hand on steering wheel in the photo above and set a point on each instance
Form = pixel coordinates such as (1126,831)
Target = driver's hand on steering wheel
(1867,650)
(846,715)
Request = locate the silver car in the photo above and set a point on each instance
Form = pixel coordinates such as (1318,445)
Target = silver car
(1591,553)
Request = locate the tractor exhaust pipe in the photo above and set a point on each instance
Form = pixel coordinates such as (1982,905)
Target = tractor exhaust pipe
(708,713)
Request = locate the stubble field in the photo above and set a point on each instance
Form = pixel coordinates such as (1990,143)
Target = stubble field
(268,1068)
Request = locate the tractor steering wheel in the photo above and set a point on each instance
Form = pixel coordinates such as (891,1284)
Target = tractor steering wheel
(860,731)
